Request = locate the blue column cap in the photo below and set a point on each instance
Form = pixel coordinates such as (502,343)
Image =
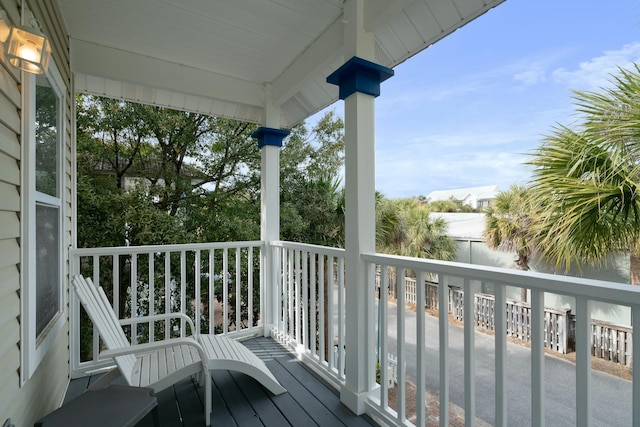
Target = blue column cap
(359,75)
(270,136)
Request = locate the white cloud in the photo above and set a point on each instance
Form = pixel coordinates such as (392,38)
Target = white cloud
(596,73)
(453,160)
(531,77)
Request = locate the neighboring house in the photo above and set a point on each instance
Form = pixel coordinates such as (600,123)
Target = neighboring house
(476,197)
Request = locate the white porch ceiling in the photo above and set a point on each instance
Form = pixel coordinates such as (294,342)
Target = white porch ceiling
(217,56)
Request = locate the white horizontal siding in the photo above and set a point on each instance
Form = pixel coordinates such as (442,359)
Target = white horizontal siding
(9,170)
(44,391)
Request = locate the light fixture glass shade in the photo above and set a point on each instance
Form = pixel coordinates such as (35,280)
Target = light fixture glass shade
(28,49)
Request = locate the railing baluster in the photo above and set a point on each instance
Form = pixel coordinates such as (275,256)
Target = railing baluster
(322,311)
(167,292)
(443,333)
(183,289)
(537,358)
(305,299)
(501,354)
(313,309)
(297,300)
(341,318)
(116,284)
(583,362)
(152,294)
(96,335)
(250,286)
(290,293)
(212,291)
(198,300)
(383,329)
(330,313)
(134,297)
(280,257)
(401,311)
(420,342)
(469,352)
(238,291)
(225,290)
(281,288)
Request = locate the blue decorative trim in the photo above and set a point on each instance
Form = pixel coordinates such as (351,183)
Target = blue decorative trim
(359,75)
(270,136)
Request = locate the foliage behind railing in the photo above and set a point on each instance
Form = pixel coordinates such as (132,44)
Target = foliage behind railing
(216,284)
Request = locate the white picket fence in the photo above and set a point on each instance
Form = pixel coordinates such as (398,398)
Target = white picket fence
(609,342)
(612,342)
(556,322)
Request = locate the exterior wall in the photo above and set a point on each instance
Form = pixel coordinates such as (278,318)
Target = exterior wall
(475,251)
(43,392)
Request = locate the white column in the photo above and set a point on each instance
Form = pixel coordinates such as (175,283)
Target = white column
(359,81)
(269,205)
(360,237)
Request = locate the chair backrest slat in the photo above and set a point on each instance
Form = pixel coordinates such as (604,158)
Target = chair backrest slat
(96,304)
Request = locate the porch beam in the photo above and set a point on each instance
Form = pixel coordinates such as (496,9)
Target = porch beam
(323,52)
(92,59)
(359,200)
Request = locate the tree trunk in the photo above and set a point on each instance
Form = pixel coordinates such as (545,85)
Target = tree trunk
(523,264)
(634,274)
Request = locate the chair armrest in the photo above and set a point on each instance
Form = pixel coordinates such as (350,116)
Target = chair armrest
(156,345)
(157,317)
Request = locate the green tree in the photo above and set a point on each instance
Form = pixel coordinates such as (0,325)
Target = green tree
(449,205)
(196,179)
(586,179)
(110,136)
(404,227)
(508,226)
(311,193)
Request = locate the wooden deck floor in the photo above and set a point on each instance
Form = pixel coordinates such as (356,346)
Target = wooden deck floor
(238,400)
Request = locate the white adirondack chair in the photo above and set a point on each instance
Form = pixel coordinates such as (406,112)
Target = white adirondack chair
(161,364)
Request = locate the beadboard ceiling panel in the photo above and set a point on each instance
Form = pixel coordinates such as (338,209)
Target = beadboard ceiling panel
(218,57)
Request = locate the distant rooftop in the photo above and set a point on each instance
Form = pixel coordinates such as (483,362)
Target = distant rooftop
(473,196)
(486,192)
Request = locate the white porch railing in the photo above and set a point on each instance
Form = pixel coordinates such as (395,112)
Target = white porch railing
(217,284)
(556,323)
(584,291)
(309,307)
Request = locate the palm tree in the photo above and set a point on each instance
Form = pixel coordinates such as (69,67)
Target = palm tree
(404,227)
(586,180)
(508,226)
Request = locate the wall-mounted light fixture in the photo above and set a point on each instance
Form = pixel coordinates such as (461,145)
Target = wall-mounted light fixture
(24,45)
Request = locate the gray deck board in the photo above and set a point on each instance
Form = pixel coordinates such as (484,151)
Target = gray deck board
(239,400)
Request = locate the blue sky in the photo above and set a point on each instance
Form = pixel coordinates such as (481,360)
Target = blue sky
(466,111)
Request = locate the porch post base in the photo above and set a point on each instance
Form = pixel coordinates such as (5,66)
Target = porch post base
(353,400)
(267,330)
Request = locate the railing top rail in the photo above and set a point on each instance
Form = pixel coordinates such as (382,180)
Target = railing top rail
(599,290)
(324,250)
(162,248)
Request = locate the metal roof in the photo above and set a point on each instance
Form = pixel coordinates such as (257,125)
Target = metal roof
(217,57)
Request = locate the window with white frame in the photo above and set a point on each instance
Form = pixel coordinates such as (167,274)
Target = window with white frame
(43,297)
